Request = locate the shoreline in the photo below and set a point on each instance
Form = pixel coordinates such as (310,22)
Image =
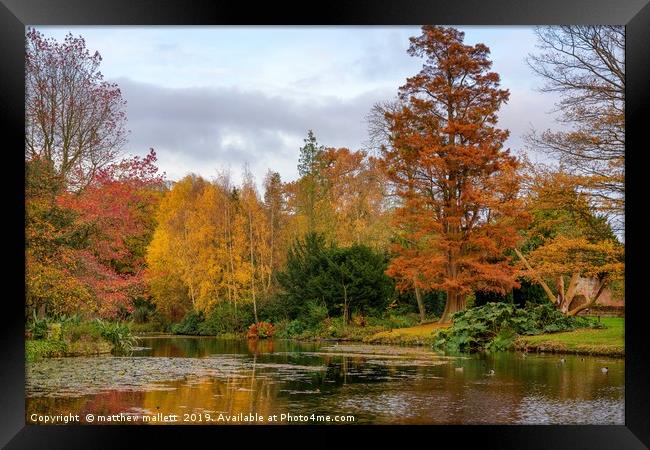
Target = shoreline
(548,343)
(595,342)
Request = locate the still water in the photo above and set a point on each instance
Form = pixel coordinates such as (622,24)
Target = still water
(209,380)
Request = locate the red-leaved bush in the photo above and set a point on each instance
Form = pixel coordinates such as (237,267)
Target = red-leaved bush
(260,330)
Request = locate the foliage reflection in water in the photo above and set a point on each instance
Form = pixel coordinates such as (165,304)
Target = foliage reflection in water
(376,384)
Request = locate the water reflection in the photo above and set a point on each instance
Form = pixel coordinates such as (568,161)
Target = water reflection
(376,384)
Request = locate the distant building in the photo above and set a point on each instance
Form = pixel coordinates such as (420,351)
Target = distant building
(608,302)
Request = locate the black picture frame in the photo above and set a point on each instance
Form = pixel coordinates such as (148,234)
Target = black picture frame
(16,14)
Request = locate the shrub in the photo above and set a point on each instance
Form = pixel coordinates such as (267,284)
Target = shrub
(54,331)
(74,332)
(74,319)
(261,330)
(38,327)
(159,322)
(141,314)
(295,327)
(358,320)
(407,320)
(224,318)
(44,348)
(118,334)
(315,315)
(494,327)
(272,309)
(190,324)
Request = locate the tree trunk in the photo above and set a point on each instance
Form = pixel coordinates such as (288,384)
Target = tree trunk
(455,303)
(268,286)
(346,314)
(225,239)
(560,289)
(537,278)
(573,285)
(41,311)
(565,299)
(418,297)
(250,229)
(192,297)
(232,264)
(594,298)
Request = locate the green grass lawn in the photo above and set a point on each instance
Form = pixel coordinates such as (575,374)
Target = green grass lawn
(605,341)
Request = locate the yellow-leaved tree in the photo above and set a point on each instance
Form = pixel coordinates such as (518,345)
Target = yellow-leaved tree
(211,246)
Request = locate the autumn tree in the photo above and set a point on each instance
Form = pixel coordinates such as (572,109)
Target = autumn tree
(74,120)
(308,189)
(354,188)
(567,239)
(195,257)
(51,238)
(276,214)
(173,273)
(85,250)
(118,207)
(457,186)
(210,246)
(585,64)
(89,211)
(257,230)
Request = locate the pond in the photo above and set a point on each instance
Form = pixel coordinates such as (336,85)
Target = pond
(210,380)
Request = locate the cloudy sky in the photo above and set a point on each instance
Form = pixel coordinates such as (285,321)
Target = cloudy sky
(215,98)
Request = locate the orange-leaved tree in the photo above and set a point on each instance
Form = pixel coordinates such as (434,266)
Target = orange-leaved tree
(354,188)
(568,239)
(458,209)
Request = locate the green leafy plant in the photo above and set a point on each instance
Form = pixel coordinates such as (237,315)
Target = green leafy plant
(226,318)
(44,349)
(118,334)
(54,331)
(38,327)
(495,326)
(315,315)
(190,324)
(290,329)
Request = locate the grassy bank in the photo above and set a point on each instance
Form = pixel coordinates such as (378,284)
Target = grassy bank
(312,327)
(418,335)
(46,348)
(609,341)
(49,338)
(359,329)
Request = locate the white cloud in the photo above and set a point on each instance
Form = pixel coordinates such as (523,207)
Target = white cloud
(209,98)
